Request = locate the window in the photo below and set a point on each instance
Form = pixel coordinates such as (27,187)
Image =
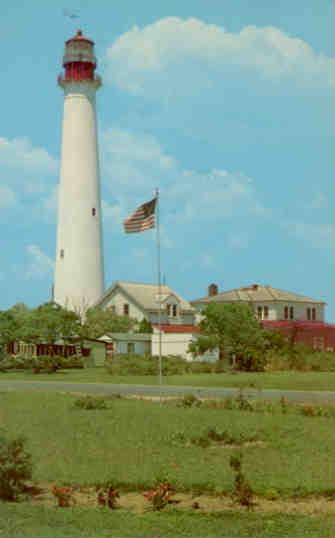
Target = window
(126,309)
(61,253)
(286,312)
(93,211)
(130,347)
(313,314)
(291,312)
(113,309)
(259,312)
(266,312)
(308,314)
(172,310)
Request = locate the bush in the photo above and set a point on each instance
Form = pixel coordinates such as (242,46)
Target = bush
(133,364)
(301,358)
(47,363)
(90,402)
(189,400)
(64,496)
(160,496)
(15,467)
(107,495)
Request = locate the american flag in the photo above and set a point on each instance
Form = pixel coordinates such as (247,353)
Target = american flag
(142,219)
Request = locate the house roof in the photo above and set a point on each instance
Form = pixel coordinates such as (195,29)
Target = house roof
(297,324)
(146,295)
(256,293)
(180,329)
(130,337)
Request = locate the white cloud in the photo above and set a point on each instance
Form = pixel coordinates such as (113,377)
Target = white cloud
(40,265)
(19,153)
(175,56)
(134,163)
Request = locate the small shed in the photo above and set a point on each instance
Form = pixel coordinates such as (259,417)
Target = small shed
(125,343)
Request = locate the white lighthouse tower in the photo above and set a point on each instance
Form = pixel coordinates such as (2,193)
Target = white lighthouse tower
(79,278)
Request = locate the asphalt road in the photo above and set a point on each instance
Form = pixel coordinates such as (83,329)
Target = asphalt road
(172,391)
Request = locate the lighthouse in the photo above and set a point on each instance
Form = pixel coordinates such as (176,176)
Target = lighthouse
(79,276)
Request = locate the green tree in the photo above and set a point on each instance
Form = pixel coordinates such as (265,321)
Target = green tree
(235,332)
(100,321)
(50,322)
(145,327)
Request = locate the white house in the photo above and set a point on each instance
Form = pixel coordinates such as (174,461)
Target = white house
(268,303)
(141,301)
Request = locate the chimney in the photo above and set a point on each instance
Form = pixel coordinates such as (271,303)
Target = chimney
(213,290)
(255,287)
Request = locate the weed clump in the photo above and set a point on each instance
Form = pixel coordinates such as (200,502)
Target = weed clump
(64,496)
(189,400)
(160,496)
(90,402)
(107,495)
(15,468)
(243,492)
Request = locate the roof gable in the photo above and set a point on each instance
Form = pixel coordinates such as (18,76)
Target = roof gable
(145,296)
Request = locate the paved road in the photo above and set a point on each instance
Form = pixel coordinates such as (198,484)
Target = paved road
(154,390)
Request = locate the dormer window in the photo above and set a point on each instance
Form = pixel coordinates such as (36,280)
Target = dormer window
(172,310)
(94,211)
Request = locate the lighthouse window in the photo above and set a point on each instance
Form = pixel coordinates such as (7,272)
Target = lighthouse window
(93,211)
(62,253)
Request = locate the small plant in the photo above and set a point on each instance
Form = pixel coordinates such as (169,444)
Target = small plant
(189,400)
(107,496)
(312,411)
(283,405)
(242,403)
(15,468)
(90,402)
(64,496)
(243,492)
(160,496)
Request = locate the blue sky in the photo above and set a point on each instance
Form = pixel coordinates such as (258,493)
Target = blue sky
(226,106)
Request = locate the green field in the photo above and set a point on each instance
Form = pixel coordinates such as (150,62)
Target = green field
(134,442)
(290,380)
(24,521)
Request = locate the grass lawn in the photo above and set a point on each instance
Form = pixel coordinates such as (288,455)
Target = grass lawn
(22,521)
(133,442)
(268,380)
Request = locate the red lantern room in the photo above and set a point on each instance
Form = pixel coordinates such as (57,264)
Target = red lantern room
(79,61)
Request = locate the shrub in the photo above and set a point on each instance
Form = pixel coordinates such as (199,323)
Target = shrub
(90,402)
(189,400)
(243,492)
(107,495)
(15,467)
(64,496)
(160,496)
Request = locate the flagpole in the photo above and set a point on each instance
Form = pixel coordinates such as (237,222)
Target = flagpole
(159,285)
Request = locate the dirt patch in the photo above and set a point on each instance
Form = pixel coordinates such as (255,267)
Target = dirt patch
(135,502)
